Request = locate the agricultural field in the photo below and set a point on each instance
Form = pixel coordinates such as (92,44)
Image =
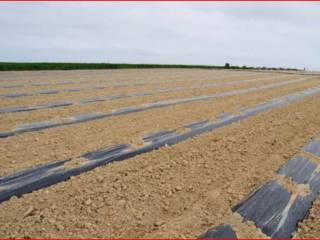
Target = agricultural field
(159,153)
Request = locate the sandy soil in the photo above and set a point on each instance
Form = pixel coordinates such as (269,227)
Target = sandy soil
(97,79)
(177,191)
(56,144)
(115,76)
(9,120)
(115,90)
(310,227)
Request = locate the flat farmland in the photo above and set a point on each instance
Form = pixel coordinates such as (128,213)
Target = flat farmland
(162,153)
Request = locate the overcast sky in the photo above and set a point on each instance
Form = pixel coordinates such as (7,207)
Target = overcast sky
(252,34)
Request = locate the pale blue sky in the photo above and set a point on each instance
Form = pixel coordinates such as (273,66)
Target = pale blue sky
(253,34)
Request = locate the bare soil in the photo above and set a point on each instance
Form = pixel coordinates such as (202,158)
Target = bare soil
(177,191)
(12,119)
(87,89)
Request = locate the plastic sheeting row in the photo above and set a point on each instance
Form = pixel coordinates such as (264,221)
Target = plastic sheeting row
(46,175)
(108,98)
(135,83)
(36,126)
(275,210)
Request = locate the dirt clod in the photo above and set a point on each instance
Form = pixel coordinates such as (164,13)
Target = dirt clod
(30,212)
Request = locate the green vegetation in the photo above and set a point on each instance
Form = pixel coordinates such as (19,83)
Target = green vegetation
(15,66)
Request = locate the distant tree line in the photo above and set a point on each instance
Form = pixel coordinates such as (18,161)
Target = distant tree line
(227,65)
(20,66)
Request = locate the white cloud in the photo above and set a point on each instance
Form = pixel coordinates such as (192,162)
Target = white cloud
(257,34)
